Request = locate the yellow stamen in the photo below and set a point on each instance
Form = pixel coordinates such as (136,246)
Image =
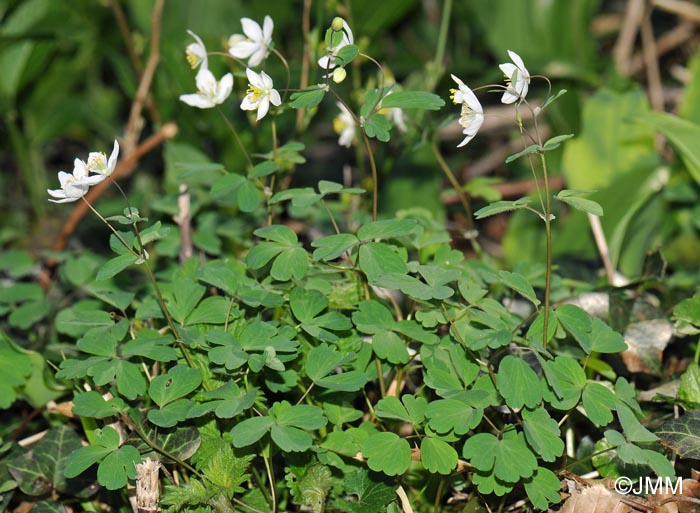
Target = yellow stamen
(192,59)
(256,92)
(452,95)
(339,125)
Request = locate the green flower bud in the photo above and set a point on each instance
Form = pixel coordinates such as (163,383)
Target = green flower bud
(339,75)
(337,24)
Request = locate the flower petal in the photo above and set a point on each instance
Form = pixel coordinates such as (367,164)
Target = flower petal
(224,89)
(197,100)
(112,162)
(253,78)
(516,59)
(275,98)
(243,49)
(252,29)
(268,26)
(205,80)
(263,108)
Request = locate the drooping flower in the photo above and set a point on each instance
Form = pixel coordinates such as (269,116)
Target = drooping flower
(260,93)
(209,92)
(344,125)
(255,44)
(517,79)
(196,53)
(97,163)
(73,185)
(472,115)
(327,62)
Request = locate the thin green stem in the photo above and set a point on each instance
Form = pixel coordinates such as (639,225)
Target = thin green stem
(444,29)
(168,317)
(271,479)
(380,376)
(114,231)
(375,180)
(330,214)
(548,234)
(237,137)
(286,67)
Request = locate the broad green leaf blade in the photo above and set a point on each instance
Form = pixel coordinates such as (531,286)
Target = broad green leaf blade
(251,430)
(573,199)
(413,100)
(533,148)
(176,383)
(118,467)
(682,134)
(115,266)
(543,434)
(386,229)
(518,383)
(543,488)
(437,456)
(598,401)
(519,283)
(500,207)
(556,141)
(387,453)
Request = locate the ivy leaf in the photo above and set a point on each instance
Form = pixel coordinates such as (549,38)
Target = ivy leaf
(388,453)
(518,383)
(543,434)
(437,456)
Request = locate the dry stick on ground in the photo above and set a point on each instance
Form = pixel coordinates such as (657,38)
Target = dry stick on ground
(683,8)
(651,61)
(671,40)
(131,134)
(184,220)
(135,62)
(622,52)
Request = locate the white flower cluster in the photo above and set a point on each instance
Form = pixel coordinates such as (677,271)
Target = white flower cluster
(75,185)
(254,44)
(472,114)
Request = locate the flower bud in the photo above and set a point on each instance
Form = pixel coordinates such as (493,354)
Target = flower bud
(337,24)
(339,75)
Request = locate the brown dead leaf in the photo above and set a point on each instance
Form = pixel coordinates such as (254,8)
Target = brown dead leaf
(596,499)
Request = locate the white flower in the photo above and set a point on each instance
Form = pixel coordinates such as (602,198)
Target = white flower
(209,91)
(398,117)
(196,53)
(517,79)
(328,61)
(255,45)
(97,163)
(344,125)
(260,93)
(472,115)
(73,186)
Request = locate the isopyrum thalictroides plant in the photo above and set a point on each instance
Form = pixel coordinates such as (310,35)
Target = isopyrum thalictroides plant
(366,367)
